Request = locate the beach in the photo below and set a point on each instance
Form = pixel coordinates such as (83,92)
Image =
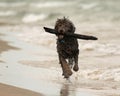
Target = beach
(7,90)
(29,63)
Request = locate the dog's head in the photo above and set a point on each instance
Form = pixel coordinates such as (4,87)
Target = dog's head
(62,26)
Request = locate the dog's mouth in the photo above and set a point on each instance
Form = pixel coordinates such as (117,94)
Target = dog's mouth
(60,37)
(61,34)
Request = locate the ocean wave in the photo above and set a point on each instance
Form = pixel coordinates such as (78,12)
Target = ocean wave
(99,74)
(99,47)
(88,6)
(39,38)
(7,13)
(14,4)
(109,48)
(33,17)
(49,4)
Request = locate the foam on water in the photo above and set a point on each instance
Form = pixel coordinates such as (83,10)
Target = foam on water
(33,17)
(35,37)
(45,39)
(49,4)
(88,6)
(109,48)
(100,74)
(76,10)
(7,13)
(12,4)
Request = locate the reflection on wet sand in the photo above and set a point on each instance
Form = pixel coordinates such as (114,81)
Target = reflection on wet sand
(68,89)
(64,90)
(4,46)
(1,61)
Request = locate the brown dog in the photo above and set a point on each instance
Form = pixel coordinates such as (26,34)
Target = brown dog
(67,47)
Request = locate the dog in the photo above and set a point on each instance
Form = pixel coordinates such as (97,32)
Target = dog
(67,47)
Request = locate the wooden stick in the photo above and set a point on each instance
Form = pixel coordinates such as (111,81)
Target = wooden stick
(78,36)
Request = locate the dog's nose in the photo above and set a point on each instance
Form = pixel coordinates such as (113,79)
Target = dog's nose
(61,31)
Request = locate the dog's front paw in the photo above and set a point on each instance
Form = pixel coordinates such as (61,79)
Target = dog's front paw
(67,74)
(75,68)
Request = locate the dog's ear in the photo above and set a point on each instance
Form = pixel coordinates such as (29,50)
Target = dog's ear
(73,29)
(55,27)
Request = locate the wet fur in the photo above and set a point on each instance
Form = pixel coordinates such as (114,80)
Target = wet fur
(67,47)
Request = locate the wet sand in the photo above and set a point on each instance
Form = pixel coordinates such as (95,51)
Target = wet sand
(4,46)
(7,90)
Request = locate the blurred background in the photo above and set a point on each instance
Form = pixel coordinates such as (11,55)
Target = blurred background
(98,17)
(42,11)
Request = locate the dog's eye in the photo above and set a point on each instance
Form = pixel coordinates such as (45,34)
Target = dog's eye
(60,24)
(66,26)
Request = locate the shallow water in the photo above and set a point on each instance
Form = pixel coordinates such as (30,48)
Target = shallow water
(39,11)
(30,66)
(43,80)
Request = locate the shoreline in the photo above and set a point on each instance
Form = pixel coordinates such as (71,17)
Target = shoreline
(8,90)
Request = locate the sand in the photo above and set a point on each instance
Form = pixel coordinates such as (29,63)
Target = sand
(4,46)
(7,90)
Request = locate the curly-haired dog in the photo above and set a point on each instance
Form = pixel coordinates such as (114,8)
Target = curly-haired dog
(67,47)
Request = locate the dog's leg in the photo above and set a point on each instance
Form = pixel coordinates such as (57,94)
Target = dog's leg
(76,68)
(65,67)
(60,62)
(59,59)
(70,60)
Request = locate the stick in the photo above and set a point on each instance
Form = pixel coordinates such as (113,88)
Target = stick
(78,36)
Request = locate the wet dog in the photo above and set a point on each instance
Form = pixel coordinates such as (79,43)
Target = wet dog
(67,47)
